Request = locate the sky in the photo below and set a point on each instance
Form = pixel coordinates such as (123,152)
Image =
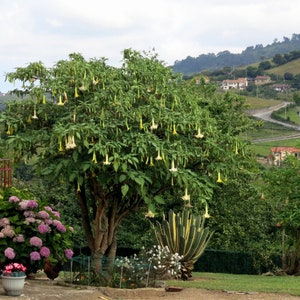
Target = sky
(49,30)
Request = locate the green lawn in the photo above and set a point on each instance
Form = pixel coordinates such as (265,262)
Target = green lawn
(243,283)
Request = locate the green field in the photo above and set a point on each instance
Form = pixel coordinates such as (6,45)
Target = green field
(243,283)
(290,67)
(271,130)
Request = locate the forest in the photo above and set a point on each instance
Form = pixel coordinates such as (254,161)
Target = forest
(252,54)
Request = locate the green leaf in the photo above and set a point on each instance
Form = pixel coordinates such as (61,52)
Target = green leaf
(122,177)
(139,180)
(159,199)
(124,189)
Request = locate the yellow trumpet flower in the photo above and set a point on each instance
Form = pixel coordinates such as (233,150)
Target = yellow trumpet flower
(151,162)
(44,99)
(106,162)
(199,135)
(153,125)
(70,142)
(186,196)
(78,187)
(206,215)
(9,131)
(34,114)
(66,96)
(173,169)
(174,129)
(141,123)
(60,103)
(219,177)
(236,149)
(76,92)
(60,149)
(158,157)
(149,214)
(94,159)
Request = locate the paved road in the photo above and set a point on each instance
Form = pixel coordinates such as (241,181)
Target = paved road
(265,114)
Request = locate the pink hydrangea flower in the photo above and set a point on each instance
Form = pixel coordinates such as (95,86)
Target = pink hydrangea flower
(56,222)
(29,220)
(1,235)
(48,221)
(19,238)
(8,231)
(4,222)
(29,214)
(9,253)
(35,255)
(43,214)
(45,252)
(36,241)
(32,204)
(61,228)
(69,253)
(23,204)
(56,214)
(43,228)
(48,208)
(13,199)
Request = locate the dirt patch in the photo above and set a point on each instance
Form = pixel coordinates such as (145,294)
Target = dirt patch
(40,289)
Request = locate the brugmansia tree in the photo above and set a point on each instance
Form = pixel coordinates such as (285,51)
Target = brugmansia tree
(282,192)
(184,234)
(125,137)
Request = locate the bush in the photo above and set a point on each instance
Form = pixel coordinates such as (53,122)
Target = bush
(146,268)
(31,231)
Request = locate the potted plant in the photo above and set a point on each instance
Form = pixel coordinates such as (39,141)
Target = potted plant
(13,279)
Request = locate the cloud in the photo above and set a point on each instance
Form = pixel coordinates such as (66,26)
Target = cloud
(49,30)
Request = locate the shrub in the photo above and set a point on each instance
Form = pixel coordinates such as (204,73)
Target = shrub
(147,267)
(31,231)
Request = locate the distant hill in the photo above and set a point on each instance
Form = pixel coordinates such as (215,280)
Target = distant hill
(252,54)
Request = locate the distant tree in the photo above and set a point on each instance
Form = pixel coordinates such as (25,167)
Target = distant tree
(279,59)
(296,82)
(286,39)
(251,71)
(265,65)
(288,76)
(296,98)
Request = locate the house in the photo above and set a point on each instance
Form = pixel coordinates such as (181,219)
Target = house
(281,87)
(280,153)
(262,79)
(237,84)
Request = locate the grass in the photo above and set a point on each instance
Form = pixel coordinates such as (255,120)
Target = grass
(242,283)
(270,129)
(257,103)
(290,67)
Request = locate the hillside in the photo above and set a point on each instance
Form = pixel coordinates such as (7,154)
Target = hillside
(252,54)
(292,67)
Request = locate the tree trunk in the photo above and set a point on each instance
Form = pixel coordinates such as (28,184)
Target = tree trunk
(291,257)
(100,228)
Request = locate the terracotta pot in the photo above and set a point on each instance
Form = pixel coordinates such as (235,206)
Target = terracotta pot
(13,286)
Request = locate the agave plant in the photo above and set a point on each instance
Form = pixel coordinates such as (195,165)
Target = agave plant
(185,234)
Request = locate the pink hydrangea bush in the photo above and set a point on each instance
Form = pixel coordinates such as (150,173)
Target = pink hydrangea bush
(30,232)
